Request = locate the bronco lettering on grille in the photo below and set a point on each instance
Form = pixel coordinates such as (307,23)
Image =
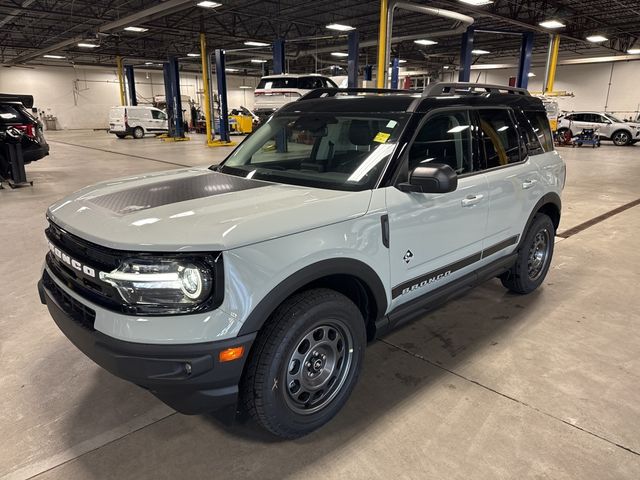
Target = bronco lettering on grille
(73,263)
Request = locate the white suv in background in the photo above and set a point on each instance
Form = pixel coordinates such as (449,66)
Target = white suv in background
(609,127)
(274,91)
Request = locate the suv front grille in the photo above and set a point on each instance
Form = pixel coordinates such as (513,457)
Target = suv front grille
(77,311)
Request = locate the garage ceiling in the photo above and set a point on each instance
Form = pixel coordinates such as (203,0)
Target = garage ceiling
(30,29)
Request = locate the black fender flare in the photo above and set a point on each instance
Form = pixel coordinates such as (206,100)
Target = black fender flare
(550,198)
(308,274)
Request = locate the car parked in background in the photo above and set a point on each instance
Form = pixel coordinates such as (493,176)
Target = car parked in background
(275,91)
(608,126)
(15,114)
(137,121)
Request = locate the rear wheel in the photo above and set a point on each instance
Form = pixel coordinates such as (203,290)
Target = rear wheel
(138,132)
(621,138)
(305,363)
(534,257)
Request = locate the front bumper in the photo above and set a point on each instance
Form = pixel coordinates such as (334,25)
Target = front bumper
(188,377)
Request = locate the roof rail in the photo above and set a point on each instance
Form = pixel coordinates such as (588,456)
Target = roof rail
(332,92)
(468,88)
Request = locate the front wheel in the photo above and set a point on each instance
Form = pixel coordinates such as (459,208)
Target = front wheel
(534,257)
(305,363)
(621,138)
(138,132)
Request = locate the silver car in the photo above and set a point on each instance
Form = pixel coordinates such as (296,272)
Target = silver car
(608,127)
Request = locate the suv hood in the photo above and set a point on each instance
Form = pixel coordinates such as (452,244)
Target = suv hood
(197,209)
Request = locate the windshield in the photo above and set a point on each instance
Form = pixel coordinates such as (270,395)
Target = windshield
(323,150)
(613,119)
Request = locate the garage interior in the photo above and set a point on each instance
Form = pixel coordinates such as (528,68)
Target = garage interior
(491,385)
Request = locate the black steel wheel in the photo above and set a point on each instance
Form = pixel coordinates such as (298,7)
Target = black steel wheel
(534,257)
(305,362)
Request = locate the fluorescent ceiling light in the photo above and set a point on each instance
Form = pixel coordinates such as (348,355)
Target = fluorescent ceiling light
(597,38)
(245,87)
(251,43)
(425,42)
(57,57)
(207,4)
(193,54)
(340,27)
(480,52)
(231,70)
(634,51)
(477,2)
(552,24)
(531,74)
(88,45)
(136,29)
(339,54)
(258,60)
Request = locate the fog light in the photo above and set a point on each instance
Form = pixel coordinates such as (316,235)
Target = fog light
(231,354)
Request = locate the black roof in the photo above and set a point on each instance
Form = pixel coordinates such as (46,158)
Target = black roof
(335,100)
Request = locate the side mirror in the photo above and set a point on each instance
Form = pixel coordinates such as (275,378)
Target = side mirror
(431,178)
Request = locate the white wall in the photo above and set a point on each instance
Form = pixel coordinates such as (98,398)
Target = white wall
(589,83)
(81,97)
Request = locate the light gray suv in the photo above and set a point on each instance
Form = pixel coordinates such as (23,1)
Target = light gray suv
(257,283)
(608,127)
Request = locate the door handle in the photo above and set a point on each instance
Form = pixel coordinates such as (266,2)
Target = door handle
(471,200)
(528,183)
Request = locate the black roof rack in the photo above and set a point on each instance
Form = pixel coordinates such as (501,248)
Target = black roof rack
(26,100)
(467,88)
(332,92)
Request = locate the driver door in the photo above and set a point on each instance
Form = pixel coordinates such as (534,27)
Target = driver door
(436,238)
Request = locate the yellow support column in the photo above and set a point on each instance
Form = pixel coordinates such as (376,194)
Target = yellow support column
(120,80)
(205,85)
(555,49)
(382,45)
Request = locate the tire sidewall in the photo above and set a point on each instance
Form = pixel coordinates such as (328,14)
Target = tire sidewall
(623,143)
(273,394)
(540,222)
(136,135)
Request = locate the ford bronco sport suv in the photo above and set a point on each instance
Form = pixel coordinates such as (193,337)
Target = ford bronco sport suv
(260,280)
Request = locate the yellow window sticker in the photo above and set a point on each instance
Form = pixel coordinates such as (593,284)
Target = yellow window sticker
(381,137)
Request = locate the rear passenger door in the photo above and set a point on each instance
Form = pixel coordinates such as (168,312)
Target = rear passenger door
(436,238)
(514,182)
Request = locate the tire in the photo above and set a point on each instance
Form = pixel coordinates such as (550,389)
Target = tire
(621,138)
(120,135)
(319,333)
(138,133)
(534,258)
(563,131)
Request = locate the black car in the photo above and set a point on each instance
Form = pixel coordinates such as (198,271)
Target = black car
(15,114)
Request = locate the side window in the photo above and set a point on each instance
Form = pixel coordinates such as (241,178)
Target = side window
(309,83)
(444,138)
(499,137)
(542,129)
(579,117)
(157,115)
(531,142)
(329,83)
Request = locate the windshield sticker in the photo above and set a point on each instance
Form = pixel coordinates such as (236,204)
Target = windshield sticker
(381,137)
(391,124)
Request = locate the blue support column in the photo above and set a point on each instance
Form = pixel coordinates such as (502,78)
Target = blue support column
(168,95)
(175,99)
(352,63)
(131,85)
(524,65)
(368,73)
(222,95)
(278,56)
(465,55)
(395,67)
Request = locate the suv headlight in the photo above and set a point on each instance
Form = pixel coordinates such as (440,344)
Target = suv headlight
(164,285)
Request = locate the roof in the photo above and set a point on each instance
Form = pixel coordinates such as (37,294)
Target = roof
(290,75)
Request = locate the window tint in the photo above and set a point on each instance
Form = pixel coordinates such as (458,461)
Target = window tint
(12,114)
(158,115)
(282,82)
(309,83)
(530,141)
(579,117)
(499,138)
(542,129)
(444,138)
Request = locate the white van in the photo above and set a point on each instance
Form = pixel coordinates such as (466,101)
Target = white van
(137,121)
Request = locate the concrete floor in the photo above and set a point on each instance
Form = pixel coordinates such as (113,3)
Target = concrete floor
(491,386)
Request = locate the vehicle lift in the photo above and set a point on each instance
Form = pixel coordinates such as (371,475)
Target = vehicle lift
(12,140)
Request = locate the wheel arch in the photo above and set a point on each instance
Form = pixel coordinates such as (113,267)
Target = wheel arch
(551,205)
(624,130)
(353,278)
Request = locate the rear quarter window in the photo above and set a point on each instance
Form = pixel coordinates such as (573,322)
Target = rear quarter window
(541,128)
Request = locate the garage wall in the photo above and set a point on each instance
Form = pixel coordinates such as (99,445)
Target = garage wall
(589,83)
(81,97)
